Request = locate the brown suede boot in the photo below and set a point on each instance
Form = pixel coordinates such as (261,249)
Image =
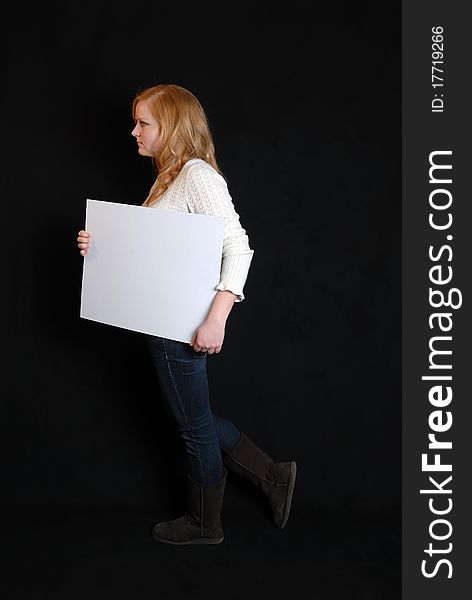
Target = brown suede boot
(201,524)
(275,479)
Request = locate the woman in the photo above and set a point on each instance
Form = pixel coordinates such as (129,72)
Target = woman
(171,127)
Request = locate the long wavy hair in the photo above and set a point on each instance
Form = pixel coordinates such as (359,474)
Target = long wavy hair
(184,133)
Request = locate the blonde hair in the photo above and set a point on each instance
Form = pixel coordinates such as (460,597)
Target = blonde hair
(184,133)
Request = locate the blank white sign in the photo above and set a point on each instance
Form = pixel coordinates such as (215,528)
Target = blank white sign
(150,270)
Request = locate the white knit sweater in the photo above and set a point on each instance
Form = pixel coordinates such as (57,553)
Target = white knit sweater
(198,188)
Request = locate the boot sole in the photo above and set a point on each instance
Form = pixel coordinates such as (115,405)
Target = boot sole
(196,541)
(291,485)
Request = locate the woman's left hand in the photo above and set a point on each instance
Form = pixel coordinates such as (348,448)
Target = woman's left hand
(209,336)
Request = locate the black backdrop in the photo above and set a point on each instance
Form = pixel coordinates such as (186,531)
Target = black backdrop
(306,119)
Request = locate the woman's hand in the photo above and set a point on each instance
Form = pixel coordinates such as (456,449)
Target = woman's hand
(83,241)
(209,336)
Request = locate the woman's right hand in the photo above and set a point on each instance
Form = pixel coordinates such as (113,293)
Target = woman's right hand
(83,242)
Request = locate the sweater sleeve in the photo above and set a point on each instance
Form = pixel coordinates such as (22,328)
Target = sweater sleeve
(208,194)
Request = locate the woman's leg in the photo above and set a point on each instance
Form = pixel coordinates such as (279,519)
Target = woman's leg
(228,434)
(184,384)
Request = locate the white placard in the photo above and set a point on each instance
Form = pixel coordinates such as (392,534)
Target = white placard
(150,270)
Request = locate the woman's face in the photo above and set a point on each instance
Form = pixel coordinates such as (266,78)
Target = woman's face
(146,131)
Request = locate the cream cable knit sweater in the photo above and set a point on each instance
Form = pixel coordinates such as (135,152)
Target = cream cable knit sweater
(198,188)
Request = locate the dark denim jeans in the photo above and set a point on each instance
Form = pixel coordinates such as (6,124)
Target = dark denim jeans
(183,382)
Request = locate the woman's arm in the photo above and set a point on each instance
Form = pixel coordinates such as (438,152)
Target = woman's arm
(210,334)
(221,306)
(207,193)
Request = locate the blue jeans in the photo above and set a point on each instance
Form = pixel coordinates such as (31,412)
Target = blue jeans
(183,382)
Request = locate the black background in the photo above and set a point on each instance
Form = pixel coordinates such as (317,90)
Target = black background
(306,118)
